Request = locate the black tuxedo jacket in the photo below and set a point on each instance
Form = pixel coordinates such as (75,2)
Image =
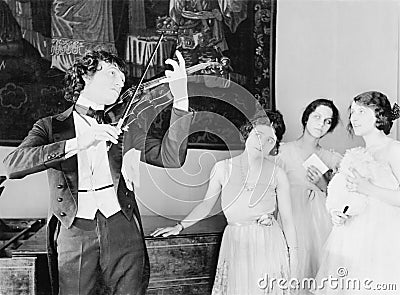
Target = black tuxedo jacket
(44,149)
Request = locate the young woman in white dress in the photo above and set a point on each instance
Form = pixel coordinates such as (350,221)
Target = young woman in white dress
(254,248)
(362,253)
(308,186)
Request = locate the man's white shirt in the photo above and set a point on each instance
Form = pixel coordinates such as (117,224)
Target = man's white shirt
(93,171)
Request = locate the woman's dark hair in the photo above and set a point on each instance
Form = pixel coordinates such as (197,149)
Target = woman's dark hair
(314,105)
(380,104)
(278,124)
(268,117)
(87,65)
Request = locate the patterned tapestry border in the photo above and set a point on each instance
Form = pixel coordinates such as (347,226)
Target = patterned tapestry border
(264,63)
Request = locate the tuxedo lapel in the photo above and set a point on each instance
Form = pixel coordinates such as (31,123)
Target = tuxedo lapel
(115,161)
(64,128)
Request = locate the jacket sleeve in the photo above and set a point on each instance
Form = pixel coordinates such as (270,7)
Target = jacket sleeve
(169,151)
(36,153)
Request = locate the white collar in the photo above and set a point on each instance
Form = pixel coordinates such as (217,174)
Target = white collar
(83,101)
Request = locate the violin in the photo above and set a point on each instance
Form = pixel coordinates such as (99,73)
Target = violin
(132,102)
(139,101)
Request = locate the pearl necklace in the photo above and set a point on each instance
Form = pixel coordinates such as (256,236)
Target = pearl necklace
(252,187)
(248,188)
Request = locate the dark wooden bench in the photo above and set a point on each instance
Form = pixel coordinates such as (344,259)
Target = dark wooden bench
(183,264)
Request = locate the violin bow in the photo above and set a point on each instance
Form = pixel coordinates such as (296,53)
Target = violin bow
(129,105)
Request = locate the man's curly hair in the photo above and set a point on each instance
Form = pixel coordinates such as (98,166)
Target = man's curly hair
(87,65)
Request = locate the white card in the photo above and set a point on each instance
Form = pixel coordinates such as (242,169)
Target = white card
(314,160)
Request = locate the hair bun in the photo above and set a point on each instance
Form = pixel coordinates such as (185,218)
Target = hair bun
(395,113)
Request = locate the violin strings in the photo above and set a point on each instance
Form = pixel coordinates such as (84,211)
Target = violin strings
(145,108)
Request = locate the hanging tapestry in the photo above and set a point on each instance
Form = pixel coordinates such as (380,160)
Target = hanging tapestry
(78,26)
(31,86)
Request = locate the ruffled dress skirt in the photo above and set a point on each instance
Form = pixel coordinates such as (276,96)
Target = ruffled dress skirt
(363,256)
(251,257)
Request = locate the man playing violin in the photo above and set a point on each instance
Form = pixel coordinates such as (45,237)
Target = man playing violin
(95,236)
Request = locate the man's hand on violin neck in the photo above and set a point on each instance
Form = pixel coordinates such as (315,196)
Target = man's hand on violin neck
(96,134)
(177,79)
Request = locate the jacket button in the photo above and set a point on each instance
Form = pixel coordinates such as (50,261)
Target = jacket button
(129,206)
(60,199)
(63,214)
(60,186)
(126,193)
(48,157)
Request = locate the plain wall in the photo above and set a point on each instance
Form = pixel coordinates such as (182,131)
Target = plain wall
(23,198)
(161,192)
(334,49)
